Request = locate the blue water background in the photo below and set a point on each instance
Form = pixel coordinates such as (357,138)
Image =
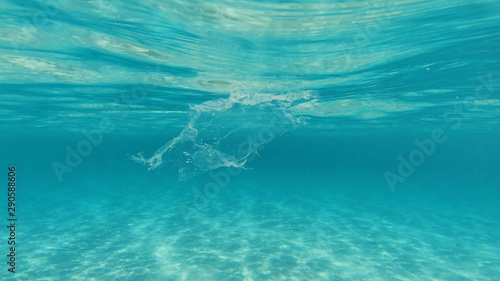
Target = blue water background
(316,201)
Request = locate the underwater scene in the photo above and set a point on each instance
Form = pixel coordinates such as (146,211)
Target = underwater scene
(250,140)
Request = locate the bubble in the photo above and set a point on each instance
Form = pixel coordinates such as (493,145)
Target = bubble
(226,132)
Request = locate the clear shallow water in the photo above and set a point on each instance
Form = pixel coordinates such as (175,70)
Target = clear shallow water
(284,140)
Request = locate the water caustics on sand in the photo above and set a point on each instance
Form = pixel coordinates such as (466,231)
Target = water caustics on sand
(227,131)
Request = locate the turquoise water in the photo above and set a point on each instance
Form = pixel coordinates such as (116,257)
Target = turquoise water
(250,140)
